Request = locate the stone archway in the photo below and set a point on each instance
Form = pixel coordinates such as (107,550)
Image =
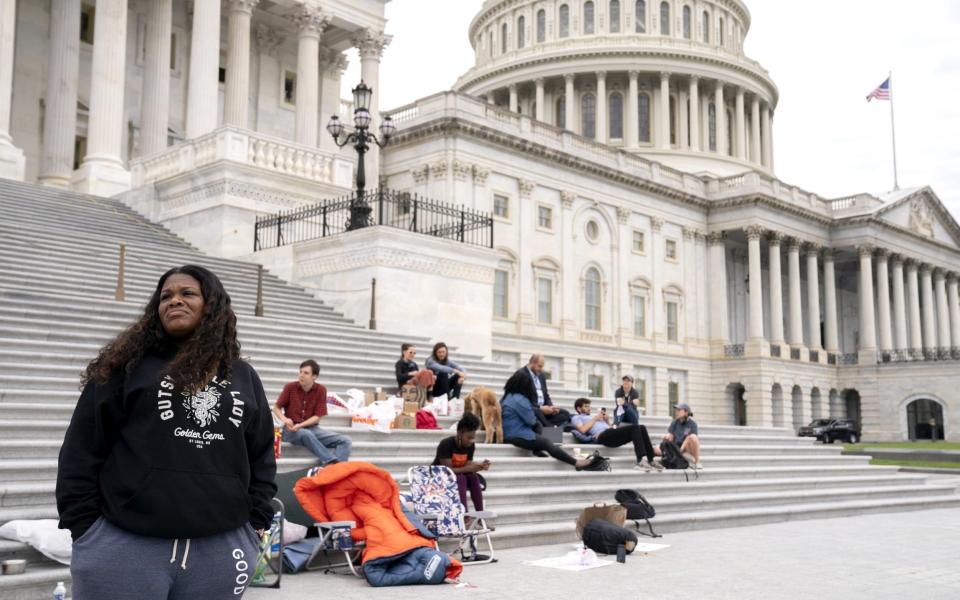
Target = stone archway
(776,403)
(736,400)
(925,419)
(851,404)
(796,400)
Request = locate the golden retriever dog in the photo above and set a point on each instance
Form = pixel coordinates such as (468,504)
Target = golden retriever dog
(483,403)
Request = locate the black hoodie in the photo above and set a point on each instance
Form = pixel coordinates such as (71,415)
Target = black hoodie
(158,462)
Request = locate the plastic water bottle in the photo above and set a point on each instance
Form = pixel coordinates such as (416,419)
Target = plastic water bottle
(60,592)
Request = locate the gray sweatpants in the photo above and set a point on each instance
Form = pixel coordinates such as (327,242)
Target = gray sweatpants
(109,563)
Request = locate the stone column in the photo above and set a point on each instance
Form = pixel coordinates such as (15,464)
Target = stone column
(813,297)
(695,113)
(755,275)
(538,113)
(868,334)
(310,25)
(683,132)
(943,311)
(155,107)
(236,103)
(740,127)
(514,105)
(830,302)
(664,112)
(12,161)
(371,45)
(899,306)
(203,83)
(796,308)
(60,117)
(633,111)
(913,299)
(766,141)
(568,100)
(954,301)
(774,241)
(929,318)
(719,330)
(755,152)
(601,123)
(721,118)
(102,172)
(883,302)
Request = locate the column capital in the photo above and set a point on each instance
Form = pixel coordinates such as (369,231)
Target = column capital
(633,75)
(896,259)
(926,268)
(539,81)
(939,273)
(911,263)
(333,61)
(601,74)
(371,43)
(665,76)
(813,248)
(865,250)
(480,175)
(526,187)
(828,254)
(753,232)
(623,214)
(512,87)
(695,79)
(567,198)
(883,254)
(689,232)
(794,244)
(310,21)
(740,93)
(569,77)
(952,276)
(269,40)
(244,6)
(775,238)
(656,224)
(716,238)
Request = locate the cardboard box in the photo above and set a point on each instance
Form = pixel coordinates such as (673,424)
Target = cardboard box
(371,397)
(410,408)
(405,422)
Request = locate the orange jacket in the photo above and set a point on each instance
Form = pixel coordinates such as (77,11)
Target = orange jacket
(368,495)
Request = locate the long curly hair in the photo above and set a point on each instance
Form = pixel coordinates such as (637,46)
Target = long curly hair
(211,349)
(521,383)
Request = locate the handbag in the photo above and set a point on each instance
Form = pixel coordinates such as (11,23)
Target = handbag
(614,513)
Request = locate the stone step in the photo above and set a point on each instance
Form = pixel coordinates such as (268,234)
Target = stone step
(10,549)
(23,494)
(37,582)
(28,448)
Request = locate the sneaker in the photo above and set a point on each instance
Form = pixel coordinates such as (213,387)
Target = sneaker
(689,458)
(643,465)
(698,466)
(656,465)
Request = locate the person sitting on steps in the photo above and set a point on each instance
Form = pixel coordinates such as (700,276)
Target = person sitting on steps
(547,414)
(519,422)
(450,375)
(685,433)
(456,452)
(596,429)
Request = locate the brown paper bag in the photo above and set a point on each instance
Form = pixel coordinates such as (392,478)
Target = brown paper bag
(614,513)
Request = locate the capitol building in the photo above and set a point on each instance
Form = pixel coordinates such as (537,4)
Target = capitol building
(608,166)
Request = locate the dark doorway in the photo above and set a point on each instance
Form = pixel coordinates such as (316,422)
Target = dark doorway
(925,420)
(735,392)
(851,399)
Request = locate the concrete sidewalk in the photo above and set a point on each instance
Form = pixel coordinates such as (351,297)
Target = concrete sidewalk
(877,557)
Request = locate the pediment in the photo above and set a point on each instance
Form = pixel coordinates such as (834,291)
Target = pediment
(922,213)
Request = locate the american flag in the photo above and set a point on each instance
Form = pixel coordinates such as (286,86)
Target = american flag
(882,92)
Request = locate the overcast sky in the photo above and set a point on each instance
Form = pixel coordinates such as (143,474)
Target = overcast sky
(824,55)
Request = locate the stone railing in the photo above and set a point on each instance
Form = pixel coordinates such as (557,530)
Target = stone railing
(733,350)
(918,355)
(243,147)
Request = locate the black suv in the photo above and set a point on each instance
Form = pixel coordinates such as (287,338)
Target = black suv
(828,430)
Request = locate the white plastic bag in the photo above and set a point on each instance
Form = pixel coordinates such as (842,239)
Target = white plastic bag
(441,406)
(456,408)
(377,416)
(43,535)
(355,400)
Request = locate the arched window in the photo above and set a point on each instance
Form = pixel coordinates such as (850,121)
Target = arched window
(712,126)
(503,38)
(729,128)
(673,120)
(706,27)
(541,26)
(614,16)
(591,299)
(561,114)
(664,18)
(686,22)
(564,21)
(615,110)
(644,104)
(587,18)
(640,16)
(521,32)
(588,116)
(720,33)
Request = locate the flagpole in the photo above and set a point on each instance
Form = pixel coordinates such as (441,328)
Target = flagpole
(893,132)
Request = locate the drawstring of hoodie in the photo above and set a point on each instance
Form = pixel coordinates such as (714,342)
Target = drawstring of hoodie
(186,553)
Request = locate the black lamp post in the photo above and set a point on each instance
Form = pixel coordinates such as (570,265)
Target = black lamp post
(360,138)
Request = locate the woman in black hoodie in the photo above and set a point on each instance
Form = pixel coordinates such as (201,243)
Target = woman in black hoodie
(167,469)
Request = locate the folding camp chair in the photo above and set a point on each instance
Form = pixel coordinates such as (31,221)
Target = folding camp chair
(270,554)
(436,502)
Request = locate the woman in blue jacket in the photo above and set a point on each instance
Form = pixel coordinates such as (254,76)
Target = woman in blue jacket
(519,422)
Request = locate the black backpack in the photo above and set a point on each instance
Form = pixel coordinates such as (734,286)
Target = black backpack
(637,508)
(603,537)
(672,456)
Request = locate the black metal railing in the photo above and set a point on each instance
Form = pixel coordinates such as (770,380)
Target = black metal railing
(794,353)
(733,350)
(814,356)
(831,358)
(775,350)
(904,355)
(849,358)
(388,209)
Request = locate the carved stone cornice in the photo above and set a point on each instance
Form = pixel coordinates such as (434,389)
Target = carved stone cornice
(439,168)
(716,238)
(371,43)
(462,170)
(419,174)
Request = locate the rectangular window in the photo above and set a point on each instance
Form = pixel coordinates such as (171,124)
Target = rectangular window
(639,243)
(671,250)
(672,334)
(173,52)
(545,217)
(500,294)
(641,386)
(79,151)
(545,300)
(595,385)
(673,391)
(87,14)
(290,87)
(501,206)
(639,316)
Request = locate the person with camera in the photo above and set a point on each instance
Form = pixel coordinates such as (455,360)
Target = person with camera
(596,429)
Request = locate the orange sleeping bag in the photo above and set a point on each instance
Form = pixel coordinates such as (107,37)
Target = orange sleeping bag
(369,496)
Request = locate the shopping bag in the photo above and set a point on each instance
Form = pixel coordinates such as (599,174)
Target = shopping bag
(614,513)
(377,416)
(441,406)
